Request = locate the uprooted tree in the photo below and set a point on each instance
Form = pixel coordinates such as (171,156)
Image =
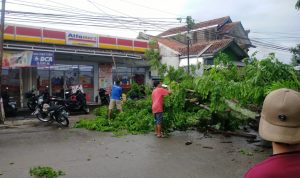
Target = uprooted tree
(219,99)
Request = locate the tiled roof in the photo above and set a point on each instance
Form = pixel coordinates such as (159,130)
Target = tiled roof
(175,45)
(219,21)
(216,45)
(228,27)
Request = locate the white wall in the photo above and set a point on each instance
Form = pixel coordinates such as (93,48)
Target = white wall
(169,56)
(194,61)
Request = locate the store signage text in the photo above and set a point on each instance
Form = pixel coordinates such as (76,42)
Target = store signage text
(42,58)
(76,36)
(81,39)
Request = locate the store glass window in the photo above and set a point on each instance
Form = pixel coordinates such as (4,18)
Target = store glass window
(11,82)
(86,79)
(60,77)
(127,75)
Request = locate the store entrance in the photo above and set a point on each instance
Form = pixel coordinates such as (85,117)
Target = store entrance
(60,77)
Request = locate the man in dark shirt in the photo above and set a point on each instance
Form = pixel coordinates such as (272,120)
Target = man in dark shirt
(280,124)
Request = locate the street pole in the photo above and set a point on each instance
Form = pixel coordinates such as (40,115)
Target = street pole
(2,114)
(188,52)
(190,23)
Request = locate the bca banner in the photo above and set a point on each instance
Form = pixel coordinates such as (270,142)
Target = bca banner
(27,58)
(42,58)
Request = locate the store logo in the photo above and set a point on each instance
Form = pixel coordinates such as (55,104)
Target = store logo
(77,36)
(46,59)
(42,58)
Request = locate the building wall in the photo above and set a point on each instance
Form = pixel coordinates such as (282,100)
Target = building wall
(240,37)
(204,35)
(169,56)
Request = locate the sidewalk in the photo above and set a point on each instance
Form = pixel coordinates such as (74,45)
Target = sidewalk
(18,121)
(24,117)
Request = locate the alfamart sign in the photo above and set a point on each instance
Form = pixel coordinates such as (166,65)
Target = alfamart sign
(81,39)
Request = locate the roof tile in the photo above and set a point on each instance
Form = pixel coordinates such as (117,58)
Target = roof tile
(216,45)
(219,21)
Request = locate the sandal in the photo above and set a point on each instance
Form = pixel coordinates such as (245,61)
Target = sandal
(160,136)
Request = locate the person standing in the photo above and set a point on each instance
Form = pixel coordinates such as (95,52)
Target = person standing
(115,98)
(280,124)
(157,106)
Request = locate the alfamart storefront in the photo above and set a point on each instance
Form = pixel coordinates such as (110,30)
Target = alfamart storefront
(36,58)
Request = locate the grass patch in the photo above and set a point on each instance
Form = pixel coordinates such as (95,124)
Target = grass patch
(45,172)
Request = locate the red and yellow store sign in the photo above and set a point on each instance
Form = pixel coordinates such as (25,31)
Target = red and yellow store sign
(51,36)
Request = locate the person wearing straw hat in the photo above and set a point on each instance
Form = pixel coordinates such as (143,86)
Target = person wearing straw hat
(280,124)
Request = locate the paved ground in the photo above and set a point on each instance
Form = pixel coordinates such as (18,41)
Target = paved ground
(81,153)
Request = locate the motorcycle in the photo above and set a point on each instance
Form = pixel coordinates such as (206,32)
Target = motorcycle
(104,97)
(9,103)
(49,110)
(76,101)
(31,99)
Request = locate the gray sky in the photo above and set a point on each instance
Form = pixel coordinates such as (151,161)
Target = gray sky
(270,21)
(273,21)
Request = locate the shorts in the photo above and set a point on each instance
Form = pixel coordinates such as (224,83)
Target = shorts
(114,103)
(158,117)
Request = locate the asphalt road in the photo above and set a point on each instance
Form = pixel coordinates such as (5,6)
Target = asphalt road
(88,154)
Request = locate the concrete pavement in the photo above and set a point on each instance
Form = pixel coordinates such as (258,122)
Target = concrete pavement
(82,153)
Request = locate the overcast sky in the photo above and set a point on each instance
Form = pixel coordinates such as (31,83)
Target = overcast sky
(270,21)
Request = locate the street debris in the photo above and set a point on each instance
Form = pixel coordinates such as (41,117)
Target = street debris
(188,143)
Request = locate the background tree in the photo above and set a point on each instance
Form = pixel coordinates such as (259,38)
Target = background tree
(296,55)
(297,6)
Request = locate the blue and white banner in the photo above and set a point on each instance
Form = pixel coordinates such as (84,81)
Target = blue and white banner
(27,58)
(42,58)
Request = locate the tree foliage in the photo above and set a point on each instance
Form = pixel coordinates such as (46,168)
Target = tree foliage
(296,55)
(297,6)
(247,86)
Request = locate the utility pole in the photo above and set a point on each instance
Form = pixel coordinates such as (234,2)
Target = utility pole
(2,115)
(190,23)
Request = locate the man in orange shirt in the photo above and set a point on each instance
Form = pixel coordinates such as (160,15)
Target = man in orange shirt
(157,106)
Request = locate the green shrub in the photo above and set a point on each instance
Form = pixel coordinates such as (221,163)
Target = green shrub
(46,172)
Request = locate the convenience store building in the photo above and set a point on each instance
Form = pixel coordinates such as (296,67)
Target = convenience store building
(39,57)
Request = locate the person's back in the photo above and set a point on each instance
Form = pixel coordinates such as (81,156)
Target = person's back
(285,165)
(280,124)
(157,99)
(116,92)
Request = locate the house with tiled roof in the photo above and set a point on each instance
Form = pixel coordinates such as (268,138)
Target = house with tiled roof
(207,39)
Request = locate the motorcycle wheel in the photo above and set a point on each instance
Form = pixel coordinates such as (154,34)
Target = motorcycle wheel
(63,119)
(43,117)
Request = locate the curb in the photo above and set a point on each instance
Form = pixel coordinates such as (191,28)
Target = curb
(15,123)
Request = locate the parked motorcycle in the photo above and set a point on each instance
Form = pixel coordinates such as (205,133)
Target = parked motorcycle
(49,110)
(104,97)
(32,99)
(76,101)
(9,103)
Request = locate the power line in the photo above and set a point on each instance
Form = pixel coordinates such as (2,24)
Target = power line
(147,7)
(82,19)
(76,24)
(105,12)
(131,16)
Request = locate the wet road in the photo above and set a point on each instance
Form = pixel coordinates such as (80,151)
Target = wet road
(81,153)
